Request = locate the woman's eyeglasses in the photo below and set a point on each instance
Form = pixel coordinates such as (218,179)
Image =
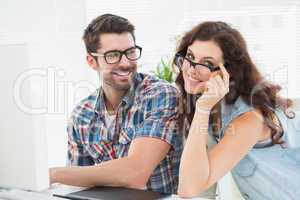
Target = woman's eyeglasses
(181,60)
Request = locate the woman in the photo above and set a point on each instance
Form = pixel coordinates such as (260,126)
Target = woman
(224,95)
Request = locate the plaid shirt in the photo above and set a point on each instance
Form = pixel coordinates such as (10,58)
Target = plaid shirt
(149,109)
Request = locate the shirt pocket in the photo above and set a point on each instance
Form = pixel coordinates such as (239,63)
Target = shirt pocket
(246,167)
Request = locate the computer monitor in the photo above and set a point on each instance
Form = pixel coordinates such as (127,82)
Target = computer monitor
(23,146)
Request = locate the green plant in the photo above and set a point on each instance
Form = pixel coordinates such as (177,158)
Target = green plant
(164,70)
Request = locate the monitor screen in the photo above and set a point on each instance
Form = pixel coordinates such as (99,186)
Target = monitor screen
(23,146)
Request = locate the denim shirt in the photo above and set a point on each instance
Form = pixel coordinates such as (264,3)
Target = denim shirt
(271,172)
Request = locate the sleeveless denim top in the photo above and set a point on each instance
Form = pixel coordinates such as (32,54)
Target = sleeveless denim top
(267,172)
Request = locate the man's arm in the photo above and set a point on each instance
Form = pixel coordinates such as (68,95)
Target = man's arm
(131,171)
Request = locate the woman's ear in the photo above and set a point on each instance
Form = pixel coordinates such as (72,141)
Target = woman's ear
(92,61)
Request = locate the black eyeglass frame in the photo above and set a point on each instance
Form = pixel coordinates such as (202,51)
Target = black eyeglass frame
(193,64)
(121,54)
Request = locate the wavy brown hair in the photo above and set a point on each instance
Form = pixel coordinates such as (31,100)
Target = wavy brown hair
(245,80)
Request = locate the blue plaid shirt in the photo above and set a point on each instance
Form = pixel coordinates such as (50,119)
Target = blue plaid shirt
(149,109)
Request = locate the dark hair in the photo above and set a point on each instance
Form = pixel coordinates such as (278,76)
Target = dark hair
(245,80)
(107,23)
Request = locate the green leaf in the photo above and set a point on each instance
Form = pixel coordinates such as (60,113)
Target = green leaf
(164,70)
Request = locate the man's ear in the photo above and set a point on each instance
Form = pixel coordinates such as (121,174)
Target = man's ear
(92,62)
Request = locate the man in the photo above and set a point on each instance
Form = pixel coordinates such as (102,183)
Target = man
(125,134)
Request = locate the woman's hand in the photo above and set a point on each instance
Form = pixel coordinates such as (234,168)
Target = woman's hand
(216,88)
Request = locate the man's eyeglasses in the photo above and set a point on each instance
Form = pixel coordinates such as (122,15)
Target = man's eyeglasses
(114,56)
(180,60)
